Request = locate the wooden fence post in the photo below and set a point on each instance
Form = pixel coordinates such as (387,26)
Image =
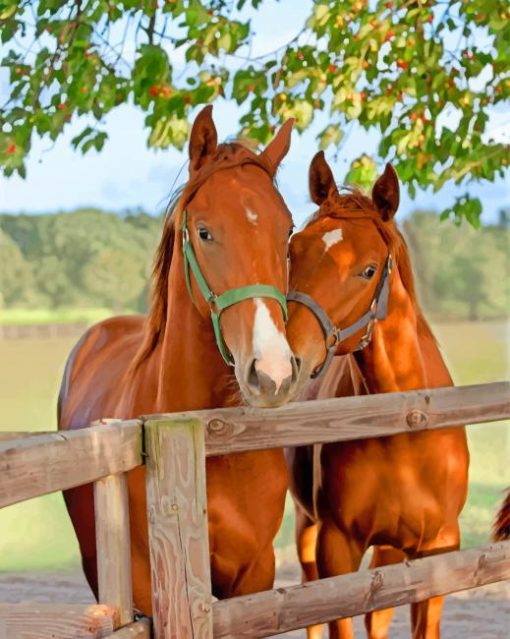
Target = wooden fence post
(178,532)
(113,545)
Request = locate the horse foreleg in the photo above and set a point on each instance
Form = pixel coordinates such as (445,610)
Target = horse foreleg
(337,554)
(306,542)
(377,623)
(426,615)
(235,574)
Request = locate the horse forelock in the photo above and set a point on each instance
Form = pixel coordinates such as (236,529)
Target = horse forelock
(227,155)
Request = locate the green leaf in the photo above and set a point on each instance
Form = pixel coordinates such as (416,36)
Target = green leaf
(332,134)
(247,81)
(362,172)
(352,62)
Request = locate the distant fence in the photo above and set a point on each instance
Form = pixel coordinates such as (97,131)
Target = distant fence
(175,448)
(42,331)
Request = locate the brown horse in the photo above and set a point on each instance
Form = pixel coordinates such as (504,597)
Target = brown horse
(501,527)
(223,248)
(401,494)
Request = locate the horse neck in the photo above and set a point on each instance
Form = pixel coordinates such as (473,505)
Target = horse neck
(192,374)
(403,354)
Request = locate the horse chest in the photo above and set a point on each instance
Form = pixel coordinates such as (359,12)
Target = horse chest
(382,490)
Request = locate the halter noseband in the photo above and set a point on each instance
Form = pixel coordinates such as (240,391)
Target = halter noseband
(333,335)
(218,303)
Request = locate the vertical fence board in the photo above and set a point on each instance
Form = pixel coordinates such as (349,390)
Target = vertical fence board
(178,533)
(113,545)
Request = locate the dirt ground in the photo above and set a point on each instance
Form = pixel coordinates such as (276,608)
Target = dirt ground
(477,614)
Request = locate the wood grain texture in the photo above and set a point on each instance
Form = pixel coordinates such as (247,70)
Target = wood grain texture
(178,534)
(272,612)
(33,466)
(320,421)
(53,621)
(113,545)
(137,630)
(20,434)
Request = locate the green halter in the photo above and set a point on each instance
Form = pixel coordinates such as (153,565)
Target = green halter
(218,303)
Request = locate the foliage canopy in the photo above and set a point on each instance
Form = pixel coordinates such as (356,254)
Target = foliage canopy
(423,73)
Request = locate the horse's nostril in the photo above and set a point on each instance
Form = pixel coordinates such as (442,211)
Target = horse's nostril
(275,382)
(296,367)
(253,377)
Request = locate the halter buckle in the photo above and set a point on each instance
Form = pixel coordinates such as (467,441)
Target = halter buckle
(332,339)
(211,300)
(366,338)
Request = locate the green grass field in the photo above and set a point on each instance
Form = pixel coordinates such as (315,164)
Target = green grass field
(38,535)
(24,316)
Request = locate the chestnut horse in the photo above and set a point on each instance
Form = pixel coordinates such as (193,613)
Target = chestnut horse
(403,494)
(501,527)
(218,298)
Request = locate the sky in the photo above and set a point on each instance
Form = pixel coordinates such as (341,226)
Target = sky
(128,175)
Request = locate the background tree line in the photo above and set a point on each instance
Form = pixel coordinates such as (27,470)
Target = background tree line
(92,258)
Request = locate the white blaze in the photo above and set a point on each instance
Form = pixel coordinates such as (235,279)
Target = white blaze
(252,216)
(332,237)
(270,348)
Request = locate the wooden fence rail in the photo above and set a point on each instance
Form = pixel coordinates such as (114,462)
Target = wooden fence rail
(178,535)
(42,464)
(177,445)
(233,430)
(272,612)
(56,621)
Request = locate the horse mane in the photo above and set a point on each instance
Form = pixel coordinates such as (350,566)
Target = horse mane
(351,203)
(501,526)
(227,155)
(156,317)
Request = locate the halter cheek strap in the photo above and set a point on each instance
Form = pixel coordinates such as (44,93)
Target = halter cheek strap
(218,303)
(333,335)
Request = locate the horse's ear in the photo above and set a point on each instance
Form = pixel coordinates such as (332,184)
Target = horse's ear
(203,139)
(279,146)
(386,193)
(320,179)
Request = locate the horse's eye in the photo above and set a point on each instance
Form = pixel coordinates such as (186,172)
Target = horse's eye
(369,272)
(204,234)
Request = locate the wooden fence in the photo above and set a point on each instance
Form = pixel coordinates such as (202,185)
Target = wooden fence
(42,331)
(175,448)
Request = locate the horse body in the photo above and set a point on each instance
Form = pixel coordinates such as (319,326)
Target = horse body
(169,361)
(402,494)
